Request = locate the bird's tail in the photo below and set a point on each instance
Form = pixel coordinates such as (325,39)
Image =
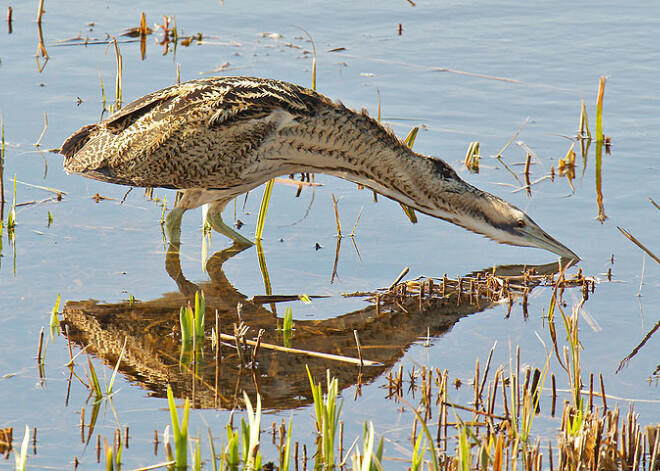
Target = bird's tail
(76,141)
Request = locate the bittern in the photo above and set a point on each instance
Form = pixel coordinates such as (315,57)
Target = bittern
(216,138)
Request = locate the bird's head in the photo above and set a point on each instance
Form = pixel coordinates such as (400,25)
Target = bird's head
(502,222)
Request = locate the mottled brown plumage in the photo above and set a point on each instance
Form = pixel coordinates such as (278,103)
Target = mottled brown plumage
(216,138)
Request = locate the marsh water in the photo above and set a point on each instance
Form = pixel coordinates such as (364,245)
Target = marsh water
(462,72)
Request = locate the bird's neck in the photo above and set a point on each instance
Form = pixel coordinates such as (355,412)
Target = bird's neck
(353,146)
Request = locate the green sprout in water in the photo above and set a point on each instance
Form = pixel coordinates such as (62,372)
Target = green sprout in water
(192,330)
(327,418)
(180,430)
(368,460)
(286,329)
(11,218)
(95,384)
(55,320)
(192,322)
(250,432)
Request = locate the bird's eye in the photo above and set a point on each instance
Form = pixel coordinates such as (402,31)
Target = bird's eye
(520,223)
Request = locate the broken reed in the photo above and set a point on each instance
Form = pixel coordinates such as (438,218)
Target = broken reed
(474,289)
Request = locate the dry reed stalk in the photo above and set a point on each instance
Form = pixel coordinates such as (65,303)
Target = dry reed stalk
(328,356)
(638,243)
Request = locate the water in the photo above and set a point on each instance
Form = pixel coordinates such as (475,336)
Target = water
(550,57)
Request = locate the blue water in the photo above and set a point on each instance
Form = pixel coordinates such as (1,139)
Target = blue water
(502,63)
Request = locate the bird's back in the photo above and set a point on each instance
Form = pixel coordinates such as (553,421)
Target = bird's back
(195,134)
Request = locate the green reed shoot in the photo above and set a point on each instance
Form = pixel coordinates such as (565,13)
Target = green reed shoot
(104,101)
(263,208)
(368,460)
(327,416)
(572,355)
(118,79)
(21,457)
(110,387)
(287,325)
(464,455)
(261,258)
(2,173)
(435,464)
(112,459)
(192,321)
(11,218)
(180,430)
(230,454)
(94,383)
(576,421)
(214,462)
(197,455)
(162,216)
(599,109)
(418,456)
(250,433)
(412,135)
(472,157)
(55,319)
(409,140)
(531,401)
(583,130)
(109,462)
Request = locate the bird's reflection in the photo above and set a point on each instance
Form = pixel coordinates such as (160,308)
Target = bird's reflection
(387,327)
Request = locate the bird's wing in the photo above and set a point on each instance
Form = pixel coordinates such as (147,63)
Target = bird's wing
(120,120)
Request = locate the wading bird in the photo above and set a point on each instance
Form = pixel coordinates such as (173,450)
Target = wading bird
(216,138)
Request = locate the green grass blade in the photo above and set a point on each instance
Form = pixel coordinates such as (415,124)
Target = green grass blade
(54,316)
(214,462)
(412,135)
(96,386)
(180,430)
(263,208)
(200,314)
(114,373)
(599,109)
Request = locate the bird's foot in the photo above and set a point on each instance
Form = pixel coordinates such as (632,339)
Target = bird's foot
(214,218)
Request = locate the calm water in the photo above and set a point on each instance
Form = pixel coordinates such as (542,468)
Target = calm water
(464,72)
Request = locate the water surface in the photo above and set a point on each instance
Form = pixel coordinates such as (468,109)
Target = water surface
(463,72)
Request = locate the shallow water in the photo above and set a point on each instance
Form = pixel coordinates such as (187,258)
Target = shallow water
(500,65)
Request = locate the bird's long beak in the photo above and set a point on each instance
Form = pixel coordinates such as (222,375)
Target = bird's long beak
(543,240)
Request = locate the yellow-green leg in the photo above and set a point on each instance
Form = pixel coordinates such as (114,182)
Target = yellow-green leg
(214,218)
(173,225)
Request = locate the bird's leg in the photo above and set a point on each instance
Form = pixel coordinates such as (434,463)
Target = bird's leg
(173,225)
(214,218)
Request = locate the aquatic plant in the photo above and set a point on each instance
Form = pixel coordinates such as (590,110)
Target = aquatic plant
(21,456)
(327,417)
(192,322)
(250,432)
(180,430)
